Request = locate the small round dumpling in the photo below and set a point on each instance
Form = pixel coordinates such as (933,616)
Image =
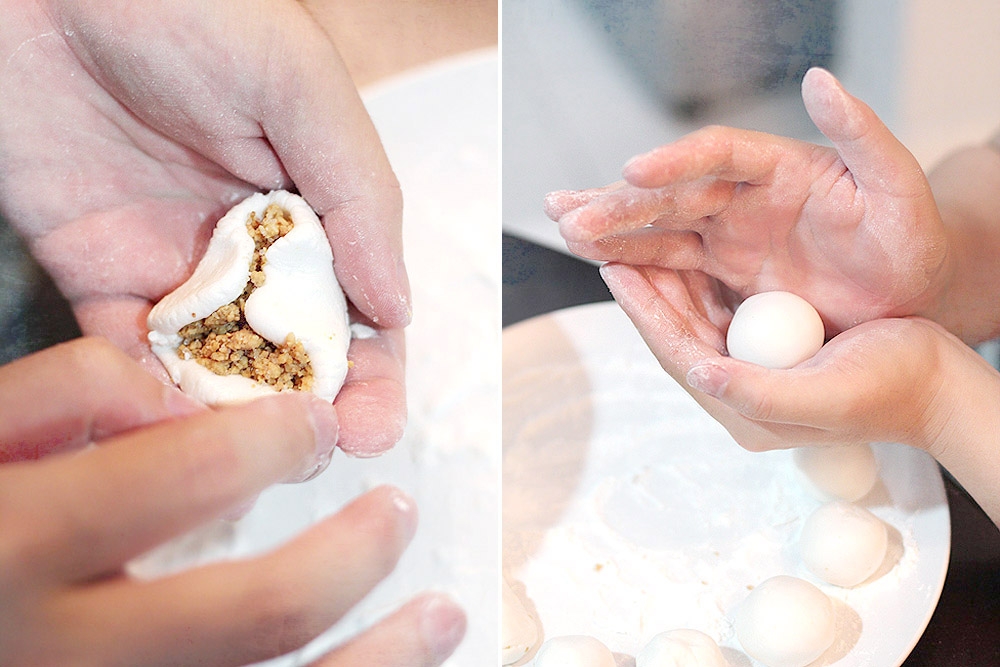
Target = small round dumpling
(775,330)
(681,648)
(843,544)
(845,472)
(785,622)
(574,651)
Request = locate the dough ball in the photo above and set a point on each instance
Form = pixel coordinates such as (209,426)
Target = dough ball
(775,330)
(843,544)
(681,648)
(520,632)
(574,651)
(785,622)
(845,472)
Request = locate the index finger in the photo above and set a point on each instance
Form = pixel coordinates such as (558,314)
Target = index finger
(79,392)
(685,205)
(727,153)
(82,516)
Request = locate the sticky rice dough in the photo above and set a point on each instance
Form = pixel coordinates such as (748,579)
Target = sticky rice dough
(262,312)
(845,472)
(574,651)
(843,544)
(681,648)
(785,622)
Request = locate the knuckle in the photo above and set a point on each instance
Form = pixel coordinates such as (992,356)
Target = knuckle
(756,406)
(284,617)
(90,354)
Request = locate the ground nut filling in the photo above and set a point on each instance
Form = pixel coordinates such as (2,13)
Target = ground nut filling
(225,344)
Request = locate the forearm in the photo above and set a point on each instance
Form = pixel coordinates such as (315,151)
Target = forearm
(964,433)
(966,187)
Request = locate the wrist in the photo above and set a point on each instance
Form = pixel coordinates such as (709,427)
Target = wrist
(960,426)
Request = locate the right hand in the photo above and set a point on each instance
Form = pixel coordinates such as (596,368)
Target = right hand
(853,229)
(71,518)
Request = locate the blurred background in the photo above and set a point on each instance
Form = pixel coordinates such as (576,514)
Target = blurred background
(589,83)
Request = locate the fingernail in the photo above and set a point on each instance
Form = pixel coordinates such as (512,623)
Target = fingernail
(442,625)
(179,404)
(630,165)
(406,512)
(323,420)
(708,378)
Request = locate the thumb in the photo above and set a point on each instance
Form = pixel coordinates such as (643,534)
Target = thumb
(875,157)
(805,396)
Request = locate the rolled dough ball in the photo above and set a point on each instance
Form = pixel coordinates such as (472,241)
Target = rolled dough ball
(574,651)
(843,544)
(681,648)
(520,632)
(785,622)
(775,330)
(845,472)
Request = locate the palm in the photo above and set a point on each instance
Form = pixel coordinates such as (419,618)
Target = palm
(856,254)
(854,229)
(138,124)
(848,392)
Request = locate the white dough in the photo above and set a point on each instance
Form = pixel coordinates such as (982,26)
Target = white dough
(681,648)
(843,544)
(785,622)
(300,295)
(519,630)
(574,651)
(775,330)
(845,472)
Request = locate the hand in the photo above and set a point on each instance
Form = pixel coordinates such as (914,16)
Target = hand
(162,465)
(138,125)
(854,229)
(901,380)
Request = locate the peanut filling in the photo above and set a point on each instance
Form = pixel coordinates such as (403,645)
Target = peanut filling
(225,344)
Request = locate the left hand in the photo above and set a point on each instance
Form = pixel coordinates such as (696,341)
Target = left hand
(880,381)
(904,380)
(137,125)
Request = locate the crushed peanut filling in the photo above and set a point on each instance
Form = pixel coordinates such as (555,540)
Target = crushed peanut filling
(225,344)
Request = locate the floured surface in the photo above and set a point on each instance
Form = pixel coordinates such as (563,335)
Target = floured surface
(439,129)
(629,511)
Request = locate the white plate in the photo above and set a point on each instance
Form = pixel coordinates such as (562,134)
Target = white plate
(628,511)
(439,128)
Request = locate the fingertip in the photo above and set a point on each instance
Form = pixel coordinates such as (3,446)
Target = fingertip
(442,625)
(376,418)
(555,205)
(635,171)
(818,76)
(316,432)
(403,510)
(618,277)
(708,378)
(572,228)
(829,105)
